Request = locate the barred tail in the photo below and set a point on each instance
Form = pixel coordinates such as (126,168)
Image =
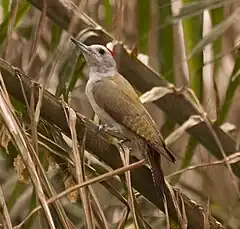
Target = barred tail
(157,173)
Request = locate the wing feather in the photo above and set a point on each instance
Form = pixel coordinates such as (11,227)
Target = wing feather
(129,112)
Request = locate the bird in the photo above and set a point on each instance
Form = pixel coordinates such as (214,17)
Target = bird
(117,105)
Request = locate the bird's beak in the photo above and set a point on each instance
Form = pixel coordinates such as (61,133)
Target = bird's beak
(84,48)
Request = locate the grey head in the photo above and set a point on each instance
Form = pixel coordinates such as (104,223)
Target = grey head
(99,58)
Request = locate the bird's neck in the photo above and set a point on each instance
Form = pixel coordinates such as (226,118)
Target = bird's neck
(98,73)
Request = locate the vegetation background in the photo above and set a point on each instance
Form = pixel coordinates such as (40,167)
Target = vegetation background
(193,45)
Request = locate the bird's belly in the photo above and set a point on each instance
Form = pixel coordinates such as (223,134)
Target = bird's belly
(107,119)
(104,117)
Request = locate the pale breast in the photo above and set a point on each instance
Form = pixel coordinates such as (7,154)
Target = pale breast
(103,116)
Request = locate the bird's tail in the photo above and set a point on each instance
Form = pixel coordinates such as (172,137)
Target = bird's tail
(157,173)
(158,179)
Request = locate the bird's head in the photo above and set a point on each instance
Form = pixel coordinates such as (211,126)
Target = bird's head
(99,58)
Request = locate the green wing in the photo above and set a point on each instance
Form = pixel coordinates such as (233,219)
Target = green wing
(129,112)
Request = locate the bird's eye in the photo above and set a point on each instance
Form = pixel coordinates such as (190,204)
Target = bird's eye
(101,51)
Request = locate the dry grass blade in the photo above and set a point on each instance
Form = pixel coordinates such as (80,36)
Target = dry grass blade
(39,30)
(110,185)
(177,207)
(17,134)
(124,152)
(234,181)
(84,184)
(74,19)
(7,98)
(35,115)
(123,220)
(215,137)
(234,158)
(4,211)
(155,94)
(192,121)
(194,8)
(98,209)
(215,33)
(166,212)
(114,191)
(53,147)
(184,216)
(15,5)
(34,138)
(206,215)
(80,170)
(34,121)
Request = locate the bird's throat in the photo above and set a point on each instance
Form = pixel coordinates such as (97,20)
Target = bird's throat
(98,73)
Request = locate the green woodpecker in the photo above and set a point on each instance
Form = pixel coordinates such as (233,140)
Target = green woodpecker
(116,103)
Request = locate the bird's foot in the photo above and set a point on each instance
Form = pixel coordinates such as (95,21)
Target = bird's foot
(124,140)
(102,127)
(113,132)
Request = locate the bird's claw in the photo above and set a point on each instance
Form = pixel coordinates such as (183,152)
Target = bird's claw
(122,141)
(113,132)
(102,127)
